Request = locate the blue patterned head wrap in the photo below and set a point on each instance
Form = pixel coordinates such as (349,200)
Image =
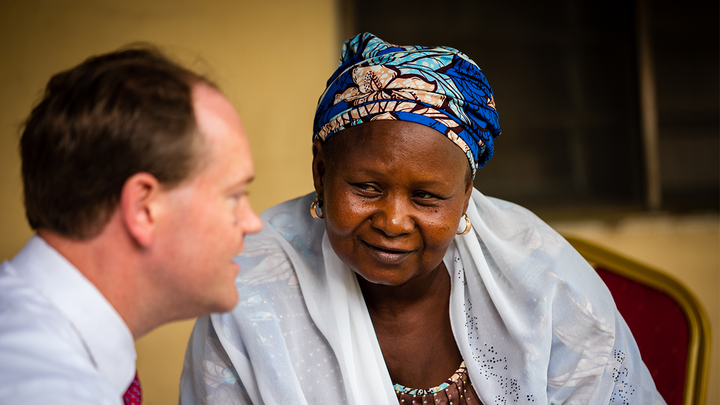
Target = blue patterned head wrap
(439,87)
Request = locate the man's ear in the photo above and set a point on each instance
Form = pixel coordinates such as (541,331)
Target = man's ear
(140,207)
(318,167)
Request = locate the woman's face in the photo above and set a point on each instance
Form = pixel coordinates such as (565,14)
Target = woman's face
(394,193)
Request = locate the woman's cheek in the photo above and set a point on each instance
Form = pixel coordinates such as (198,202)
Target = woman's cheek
(442,228)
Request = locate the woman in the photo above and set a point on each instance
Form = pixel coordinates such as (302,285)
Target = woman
(397,281)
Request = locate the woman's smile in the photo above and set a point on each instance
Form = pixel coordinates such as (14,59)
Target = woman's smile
(387,255)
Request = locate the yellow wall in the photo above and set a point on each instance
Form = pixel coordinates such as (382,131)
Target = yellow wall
(272,58)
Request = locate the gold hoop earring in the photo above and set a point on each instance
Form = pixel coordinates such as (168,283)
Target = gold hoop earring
(468,227)
(316,209)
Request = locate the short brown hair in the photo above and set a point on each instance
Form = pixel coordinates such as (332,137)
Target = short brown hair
(99,123)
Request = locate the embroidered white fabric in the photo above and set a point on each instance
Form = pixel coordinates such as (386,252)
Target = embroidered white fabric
(533,321)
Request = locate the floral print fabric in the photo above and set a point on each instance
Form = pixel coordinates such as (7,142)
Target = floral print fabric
(439,87)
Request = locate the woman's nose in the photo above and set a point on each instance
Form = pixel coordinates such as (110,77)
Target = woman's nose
(393,217)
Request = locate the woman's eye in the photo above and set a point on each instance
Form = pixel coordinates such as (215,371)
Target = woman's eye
(366,187)
(424,195)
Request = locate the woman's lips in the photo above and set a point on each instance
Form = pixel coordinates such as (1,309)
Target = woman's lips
(387,255)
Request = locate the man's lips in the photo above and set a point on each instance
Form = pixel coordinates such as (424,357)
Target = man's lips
(385,254)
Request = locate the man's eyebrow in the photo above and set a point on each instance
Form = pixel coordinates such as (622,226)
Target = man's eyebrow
(249,180)
(243,182)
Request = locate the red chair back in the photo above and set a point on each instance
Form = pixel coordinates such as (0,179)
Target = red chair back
(660,330)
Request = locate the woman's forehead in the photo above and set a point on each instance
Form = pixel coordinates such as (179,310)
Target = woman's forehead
(397,140)
(390,132)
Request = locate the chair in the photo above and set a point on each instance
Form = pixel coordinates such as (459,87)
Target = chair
(669,324)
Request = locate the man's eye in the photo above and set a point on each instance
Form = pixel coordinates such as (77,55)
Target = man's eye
(238,196)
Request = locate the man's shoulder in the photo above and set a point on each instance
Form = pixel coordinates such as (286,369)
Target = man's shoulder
(20,301)
(43,357)
(25,310)
(30,324)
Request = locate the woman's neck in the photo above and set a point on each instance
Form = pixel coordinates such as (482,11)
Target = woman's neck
(412,325)
(430,290)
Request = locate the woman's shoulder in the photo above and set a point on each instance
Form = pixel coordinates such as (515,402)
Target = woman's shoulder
(505,216)
(289,234)
(292,220)
(514,230)
(534,255)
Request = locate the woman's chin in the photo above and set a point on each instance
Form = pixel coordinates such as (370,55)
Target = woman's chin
(381,278)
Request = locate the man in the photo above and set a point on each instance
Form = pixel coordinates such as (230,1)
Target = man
(134,173)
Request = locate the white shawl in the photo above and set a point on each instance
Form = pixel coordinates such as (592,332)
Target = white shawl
(533,321)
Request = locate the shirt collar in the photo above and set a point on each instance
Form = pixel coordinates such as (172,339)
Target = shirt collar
(108,340)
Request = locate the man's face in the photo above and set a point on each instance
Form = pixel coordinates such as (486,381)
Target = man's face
(208,215)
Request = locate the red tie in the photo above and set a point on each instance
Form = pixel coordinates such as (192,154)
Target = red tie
(133,395)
